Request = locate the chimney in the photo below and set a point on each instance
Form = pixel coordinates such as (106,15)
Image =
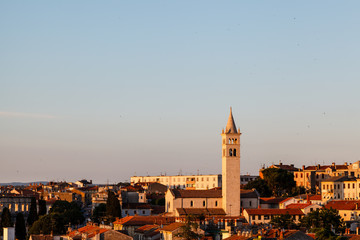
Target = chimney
(318,167)
(303,167)
(292,165)
(345,164)
(333,164)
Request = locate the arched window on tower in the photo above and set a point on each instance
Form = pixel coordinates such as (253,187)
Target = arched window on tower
(229,140)
(230,152)
(234,152)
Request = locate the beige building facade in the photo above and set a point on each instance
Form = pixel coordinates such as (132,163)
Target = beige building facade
(189,182)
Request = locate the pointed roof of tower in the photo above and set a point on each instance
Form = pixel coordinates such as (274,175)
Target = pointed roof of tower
(230,126)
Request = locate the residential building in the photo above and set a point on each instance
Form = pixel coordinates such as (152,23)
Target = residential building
(249,198)
(245,179)
(130,223)
(263,216)
(340,188)
(349,210)
(190,182)
(304,207)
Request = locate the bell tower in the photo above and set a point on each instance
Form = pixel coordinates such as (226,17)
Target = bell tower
(231,168)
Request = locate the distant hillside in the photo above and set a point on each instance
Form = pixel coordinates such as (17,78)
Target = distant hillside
(22,183)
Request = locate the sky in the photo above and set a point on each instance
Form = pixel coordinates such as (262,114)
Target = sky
(105,90)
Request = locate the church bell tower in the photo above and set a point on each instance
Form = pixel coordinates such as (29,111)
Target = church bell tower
(231,168)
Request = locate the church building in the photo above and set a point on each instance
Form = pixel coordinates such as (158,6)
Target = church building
(213,202)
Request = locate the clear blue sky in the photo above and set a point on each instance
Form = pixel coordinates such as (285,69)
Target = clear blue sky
(104,90)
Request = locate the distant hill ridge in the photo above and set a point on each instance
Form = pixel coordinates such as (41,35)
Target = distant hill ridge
(22,183)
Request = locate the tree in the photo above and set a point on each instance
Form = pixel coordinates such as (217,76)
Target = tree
(323,219)
(5,219)
(42,207)
(60,215)
(261,187)
(188,230)
(99,213)
(280,181)
(20,227)
(33,216)
(283,221)
(113,209)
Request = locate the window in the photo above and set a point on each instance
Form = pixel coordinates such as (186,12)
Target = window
(349,185)
(191,203)
(253,217)
(230,152)
(266,217)
(295,175)
(126,212)
(334,186)
(301,175)
(204,204)
(143,211)
(250,203)
(216,203)
(353,185)
(259,217)
(234,152)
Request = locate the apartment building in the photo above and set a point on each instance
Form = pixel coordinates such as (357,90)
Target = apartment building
(189,182)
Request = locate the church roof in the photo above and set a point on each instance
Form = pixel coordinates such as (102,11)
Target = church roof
(201,211)
(196,193)
(230,126)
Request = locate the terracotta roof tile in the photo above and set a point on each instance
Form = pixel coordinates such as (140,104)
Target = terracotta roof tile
(315,197)
(343,205)
(199,211)
(144,220)
(172,227)
(298,205)
(263,211)
(271,200)
(196,193)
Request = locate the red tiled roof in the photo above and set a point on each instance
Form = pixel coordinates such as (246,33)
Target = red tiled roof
(343,205)
(298,205)
(263,211)
(286,199)
(199,211)
(146,228)
(172,227)
(315,197)
(144,220)
(91,231)
(196,193)
(248,193)
(271,200)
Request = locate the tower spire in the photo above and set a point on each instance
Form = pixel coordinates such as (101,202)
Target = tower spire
(230,126)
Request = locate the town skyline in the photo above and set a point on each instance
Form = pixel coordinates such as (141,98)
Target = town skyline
(107,91)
